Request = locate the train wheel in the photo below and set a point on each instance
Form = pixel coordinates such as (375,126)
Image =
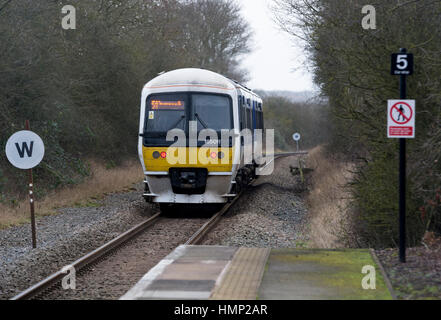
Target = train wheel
(166,208)
(239,184)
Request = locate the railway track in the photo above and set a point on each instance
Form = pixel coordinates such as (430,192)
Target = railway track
(96,255)
(105,250)
(87,259)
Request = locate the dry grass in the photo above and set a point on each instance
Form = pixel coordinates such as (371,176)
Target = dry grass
(328,200)
(101,182)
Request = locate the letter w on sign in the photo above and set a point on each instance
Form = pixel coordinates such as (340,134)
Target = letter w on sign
(24,147)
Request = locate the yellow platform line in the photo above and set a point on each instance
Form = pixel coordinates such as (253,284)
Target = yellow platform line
(243,277)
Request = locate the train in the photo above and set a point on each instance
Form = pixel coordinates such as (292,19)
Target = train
(186,154)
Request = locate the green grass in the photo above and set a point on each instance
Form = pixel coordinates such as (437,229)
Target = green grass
(91,203)
(336,271)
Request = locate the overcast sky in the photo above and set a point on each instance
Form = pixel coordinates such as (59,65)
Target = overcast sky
(274,63)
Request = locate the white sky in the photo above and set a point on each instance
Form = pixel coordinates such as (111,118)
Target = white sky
(275,63)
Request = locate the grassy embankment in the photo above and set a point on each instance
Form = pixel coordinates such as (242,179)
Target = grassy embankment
(100,182)
(328,201)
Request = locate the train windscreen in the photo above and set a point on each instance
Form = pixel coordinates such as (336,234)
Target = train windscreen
(168,111)
(164,113)
(212,111)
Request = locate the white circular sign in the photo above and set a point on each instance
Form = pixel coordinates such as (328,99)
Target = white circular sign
(25,149)
(296,136)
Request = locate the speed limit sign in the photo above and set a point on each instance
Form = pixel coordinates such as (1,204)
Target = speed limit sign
(402,64)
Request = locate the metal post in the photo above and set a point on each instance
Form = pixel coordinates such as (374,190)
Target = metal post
(402,179)
(31,199)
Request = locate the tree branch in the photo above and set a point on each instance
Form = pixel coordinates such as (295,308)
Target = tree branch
(4,5)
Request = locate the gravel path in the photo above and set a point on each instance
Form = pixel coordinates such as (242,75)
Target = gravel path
(271,213)
(65,237)
(420,276)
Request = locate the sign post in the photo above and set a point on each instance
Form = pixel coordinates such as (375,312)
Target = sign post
(401,124)
(296,138)
(31,198)
(25,150)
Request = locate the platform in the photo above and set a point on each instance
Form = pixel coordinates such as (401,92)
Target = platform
(228,273)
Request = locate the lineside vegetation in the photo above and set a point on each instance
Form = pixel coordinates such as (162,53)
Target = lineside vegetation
(351,66)
(80,88)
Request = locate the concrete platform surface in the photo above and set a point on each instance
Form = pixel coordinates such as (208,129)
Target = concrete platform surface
(227,273)
(323,274)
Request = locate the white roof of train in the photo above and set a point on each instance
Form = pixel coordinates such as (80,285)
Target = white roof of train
(194,77)
(191,76)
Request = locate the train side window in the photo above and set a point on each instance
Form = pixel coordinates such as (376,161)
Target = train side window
(244,114)
(261,120)
(253,115)
(243,119)
(246,117)
(256,120)
(240,112)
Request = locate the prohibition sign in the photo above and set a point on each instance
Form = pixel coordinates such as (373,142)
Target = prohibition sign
(401,113)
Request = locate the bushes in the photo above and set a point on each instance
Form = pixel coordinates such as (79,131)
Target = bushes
(310,119)
(351,66)
(375,199)
(2,184)
(80,88)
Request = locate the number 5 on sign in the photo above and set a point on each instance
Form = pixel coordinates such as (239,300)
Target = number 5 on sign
(402,64)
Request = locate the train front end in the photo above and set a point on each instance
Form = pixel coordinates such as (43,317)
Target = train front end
(184,114)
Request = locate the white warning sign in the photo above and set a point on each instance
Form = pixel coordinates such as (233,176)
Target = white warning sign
(401,118)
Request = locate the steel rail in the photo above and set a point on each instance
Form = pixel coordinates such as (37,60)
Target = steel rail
(202,231)
(281,155)
(86,260)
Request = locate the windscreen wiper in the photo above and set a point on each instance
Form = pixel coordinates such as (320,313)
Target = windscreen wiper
(200,120)
(161,133)
(177,122)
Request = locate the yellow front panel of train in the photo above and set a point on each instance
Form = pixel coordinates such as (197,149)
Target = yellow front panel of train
(162,159)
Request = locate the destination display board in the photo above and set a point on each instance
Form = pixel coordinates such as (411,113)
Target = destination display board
(167,105)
